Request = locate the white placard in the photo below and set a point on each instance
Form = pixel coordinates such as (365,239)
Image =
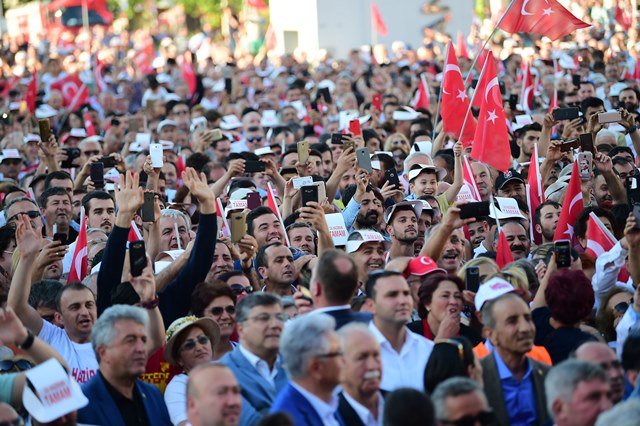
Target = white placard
(508,206)
(299,182)
(337,228)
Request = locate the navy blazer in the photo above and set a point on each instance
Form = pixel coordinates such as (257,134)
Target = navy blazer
(257,394)
(293,403)
(102,410)
(345,316)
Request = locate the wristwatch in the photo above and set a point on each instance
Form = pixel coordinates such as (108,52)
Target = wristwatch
(152,304)
(632,129)
(28,342)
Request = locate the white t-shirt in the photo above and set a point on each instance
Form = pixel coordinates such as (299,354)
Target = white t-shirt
(175,397)
(80,356)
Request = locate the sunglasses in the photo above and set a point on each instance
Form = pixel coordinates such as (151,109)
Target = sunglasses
(238,289)
(190,345)
(485,418)
(32,215)
(9,365)
(254,138)
(218,310)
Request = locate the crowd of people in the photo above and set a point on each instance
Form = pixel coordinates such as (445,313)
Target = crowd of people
(258,240)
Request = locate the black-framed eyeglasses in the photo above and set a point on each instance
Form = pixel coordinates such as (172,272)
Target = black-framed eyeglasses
(15,422)
(218,310)
(254,138)
(238,289)
(32,215)
(190,344)
(485,418)
(331,354)
(9,365)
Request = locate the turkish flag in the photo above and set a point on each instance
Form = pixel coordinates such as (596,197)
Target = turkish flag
(599,238)
(88,124)
(486,58)
(484,55)
(491,140)
(503,251)
(189,74)
(273,205)
(553,104)
(421,97)
(134,233)
(224,228)
(377,23)
(144,58)
(469,180)
(535,194)
(571,207)
(80,262)
(454,101)
(461,51)
(526,94)
(32,94)
(543,17)
(74,92)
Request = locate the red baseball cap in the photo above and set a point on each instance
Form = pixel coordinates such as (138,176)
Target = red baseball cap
(421,266)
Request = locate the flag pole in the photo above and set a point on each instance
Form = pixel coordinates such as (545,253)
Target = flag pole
(495,29)
(473,97)
(435,123)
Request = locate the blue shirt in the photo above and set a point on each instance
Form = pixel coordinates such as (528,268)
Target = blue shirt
(519,396)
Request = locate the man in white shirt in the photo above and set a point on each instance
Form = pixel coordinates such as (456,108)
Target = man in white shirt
(360,403)
(404,354)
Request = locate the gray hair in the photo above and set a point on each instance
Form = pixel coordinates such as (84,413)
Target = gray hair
(452,388)
(354,327)
(487,309)
(623,414)
(606,133)
(104,331)
(412,157)
(259,298)
(303,338)
(563,378)
(175,214)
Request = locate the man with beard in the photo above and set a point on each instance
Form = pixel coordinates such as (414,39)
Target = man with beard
(370,213)
(527,137)
(518,239)
(402,227)
(445,241)
(367,248)
(275,264)
(629,100)
(360,403)
(425,220)
(513,382)
(482,176)
(511,185)
(546,219)
(603,355)
(222,261)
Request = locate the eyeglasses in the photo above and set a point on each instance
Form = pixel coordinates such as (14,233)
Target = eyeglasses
(265,318)
(238,289)
(484,418)
(15,422)
(254,138)
(456,344)
(190,345)
(218,310)
(90,153)
(331,354)
(9,365)
(32,215)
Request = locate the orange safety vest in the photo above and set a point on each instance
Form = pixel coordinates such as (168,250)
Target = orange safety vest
(539,353)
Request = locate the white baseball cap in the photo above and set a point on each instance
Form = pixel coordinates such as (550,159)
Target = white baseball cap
(491,290)
(358,238)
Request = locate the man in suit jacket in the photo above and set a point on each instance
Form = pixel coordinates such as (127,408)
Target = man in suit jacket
(255,362)
(361,401)
(333,282)
(513,382)
(116,396)
(312,358)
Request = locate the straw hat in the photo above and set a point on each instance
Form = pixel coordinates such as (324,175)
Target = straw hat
(181,325)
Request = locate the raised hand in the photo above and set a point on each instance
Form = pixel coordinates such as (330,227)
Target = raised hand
(12,331)
(198,187)
(28,239)
(129,195)
(145,283)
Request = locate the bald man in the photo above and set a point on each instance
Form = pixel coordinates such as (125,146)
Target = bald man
(601,354)
(213,396)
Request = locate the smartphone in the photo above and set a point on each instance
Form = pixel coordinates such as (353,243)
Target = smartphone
(576,80)
(336,138)
(376,102)
(228,86)
(346,144)
(563,253)
(97,175)
(633,190)
(364,159)
(308,130)
(45,129)
(354,127)
(472,278)
(513,101)
(609,117)
(636,214)
(303,152)
(72,154)
(147,211)
(392,177)
(309,193)
(503,89)
(306,294)
(253,200)
(569,144)
(238,226)
(476,209)
(108,162)
(216,135)
(137,257)
(570,113)
(134,124)
(325,95)
(586,143)
(58,236)
(155,151)
(322,191)
(254,166)
(585,161)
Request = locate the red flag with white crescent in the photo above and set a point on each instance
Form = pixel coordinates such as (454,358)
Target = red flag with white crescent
(74,92)
(572,206)
(599,238)
(526,94)
(273,205)
(543,17)
(80,262)
(454,101)
(503,251)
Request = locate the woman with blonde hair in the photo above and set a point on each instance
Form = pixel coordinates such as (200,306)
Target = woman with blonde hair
(398,145)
